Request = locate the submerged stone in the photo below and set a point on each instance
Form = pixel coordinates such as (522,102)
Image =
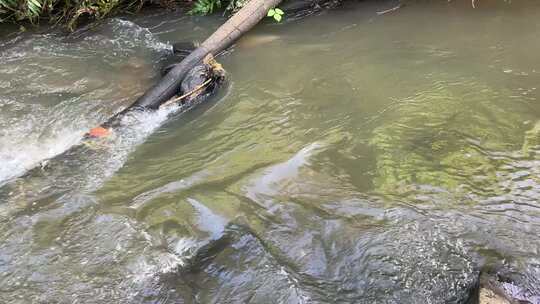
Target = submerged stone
(488,296)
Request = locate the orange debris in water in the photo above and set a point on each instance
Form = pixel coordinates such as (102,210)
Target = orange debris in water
(99,132)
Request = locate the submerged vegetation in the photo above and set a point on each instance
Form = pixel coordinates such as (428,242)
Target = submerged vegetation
(70,12)
(437,138)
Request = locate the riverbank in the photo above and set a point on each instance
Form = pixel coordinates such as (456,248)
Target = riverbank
(71,13)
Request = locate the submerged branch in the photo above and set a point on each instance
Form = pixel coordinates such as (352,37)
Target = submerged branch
(390,10)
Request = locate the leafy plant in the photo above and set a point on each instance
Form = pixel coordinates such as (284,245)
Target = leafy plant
(276,13)
(28,9)
(34,8)
(205,7)
(67,11)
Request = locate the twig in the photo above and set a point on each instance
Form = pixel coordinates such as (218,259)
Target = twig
(179,98)
(393,9)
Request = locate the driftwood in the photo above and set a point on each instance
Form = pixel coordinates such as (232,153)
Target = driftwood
(241,22)
(169,85)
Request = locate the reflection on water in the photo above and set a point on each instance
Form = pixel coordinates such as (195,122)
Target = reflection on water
(351,158)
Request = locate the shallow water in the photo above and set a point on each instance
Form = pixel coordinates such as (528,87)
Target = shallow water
(350,158)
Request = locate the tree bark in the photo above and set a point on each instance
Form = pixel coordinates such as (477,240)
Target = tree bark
(240,23)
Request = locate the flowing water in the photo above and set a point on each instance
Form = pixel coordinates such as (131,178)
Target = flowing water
(350,158)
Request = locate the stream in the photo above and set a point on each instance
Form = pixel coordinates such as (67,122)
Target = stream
(350,157)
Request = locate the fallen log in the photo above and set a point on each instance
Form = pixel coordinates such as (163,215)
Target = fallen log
(169,85)
(241,22)
(196,86)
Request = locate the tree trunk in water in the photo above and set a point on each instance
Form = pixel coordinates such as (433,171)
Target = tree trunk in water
(240,23)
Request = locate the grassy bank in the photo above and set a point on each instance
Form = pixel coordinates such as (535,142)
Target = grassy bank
(70,12)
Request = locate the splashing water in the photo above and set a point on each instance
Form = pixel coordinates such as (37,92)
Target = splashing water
(57,89)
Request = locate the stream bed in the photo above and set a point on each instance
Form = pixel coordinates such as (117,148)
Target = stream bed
(350,157)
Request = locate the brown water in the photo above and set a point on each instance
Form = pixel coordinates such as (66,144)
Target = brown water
(351,158)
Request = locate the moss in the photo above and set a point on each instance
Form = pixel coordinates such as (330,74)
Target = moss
(445,139)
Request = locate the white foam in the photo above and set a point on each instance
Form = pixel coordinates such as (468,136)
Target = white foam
(37,128)
(18,156)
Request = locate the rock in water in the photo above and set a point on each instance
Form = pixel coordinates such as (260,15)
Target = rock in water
(488,296)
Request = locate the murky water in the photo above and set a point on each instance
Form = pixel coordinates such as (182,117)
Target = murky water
(350,158)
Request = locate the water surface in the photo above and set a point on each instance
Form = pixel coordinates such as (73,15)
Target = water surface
(350,158)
